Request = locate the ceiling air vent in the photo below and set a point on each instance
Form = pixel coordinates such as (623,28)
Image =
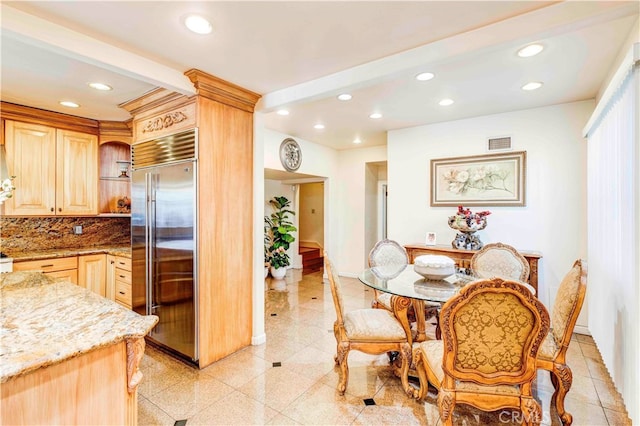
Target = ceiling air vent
(499,144)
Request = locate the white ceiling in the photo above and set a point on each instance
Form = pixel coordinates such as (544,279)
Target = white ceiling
(300,55)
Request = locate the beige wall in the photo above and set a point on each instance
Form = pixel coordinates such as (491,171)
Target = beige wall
(553,221)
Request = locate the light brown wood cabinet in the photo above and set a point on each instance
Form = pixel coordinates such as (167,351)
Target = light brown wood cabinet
(118,277)
(62,267)
(92,273)
(55,170)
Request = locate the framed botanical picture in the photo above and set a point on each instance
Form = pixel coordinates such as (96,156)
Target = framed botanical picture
(481,180)
(431,239)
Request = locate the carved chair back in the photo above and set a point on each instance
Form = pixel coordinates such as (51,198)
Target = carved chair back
(388,252)
(500,260)
(492,331)
(568,303)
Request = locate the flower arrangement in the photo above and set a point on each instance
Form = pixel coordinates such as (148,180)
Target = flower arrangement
(7,189)
(467,221)
(478,178)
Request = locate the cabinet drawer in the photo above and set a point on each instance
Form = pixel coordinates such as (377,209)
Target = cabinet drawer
(70,275)
(123,263)
(123,293)
(124,276)
(48,265)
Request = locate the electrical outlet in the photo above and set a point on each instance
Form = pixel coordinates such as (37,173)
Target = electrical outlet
(77,229)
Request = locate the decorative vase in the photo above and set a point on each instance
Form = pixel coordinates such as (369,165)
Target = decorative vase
(278,273)
(466,238)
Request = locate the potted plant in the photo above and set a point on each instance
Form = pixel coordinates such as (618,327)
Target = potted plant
(278,228)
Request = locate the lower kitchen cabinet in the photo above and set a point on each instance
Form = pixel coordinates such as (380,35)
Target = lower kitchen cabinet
(119,280)
(92,273)
(62,267)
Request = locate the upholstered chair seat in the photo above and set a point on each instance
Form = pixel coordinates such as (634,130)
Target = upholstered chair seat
(373,324)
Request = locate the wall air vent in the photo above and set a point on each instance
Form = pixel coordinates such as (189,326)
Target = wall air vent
(499,144)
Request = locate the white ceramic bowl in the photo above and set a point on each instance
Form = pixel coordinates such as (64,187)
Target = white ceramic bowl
(434,267)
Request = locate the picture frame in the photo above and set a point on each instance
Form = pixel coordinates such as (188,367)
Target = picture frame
(480,180)
(431,239)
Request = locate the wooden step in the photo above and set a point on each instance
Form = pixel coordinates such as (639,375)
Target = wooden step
(312,258)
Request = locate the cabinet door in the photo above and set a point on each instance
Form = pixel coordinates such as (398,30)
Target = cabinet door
(77,173)
(110,290)
(31,153)
(92,272)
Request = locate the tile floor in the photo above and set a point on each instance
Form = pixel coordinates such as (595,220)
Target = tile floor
(291,379)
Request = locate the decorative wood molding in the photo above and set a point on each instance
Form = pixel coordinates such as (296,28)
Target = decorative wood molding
(222,91)
(135,351)
(164,122)
(9,111)
(151,100)
(119,131)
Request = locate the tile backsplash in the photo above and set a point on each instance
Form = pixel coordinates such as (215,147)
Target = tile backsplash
(44,233)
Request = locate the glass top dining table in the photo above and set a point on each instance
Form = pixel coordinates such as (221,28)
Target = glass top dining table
(402,280)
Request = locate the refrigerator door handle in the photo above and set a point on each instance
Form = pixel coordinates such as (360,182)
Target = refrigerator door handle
(150,225)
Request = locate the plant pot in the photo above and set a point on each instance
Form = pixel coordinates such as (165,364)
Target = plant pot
(266,271)
(278,273)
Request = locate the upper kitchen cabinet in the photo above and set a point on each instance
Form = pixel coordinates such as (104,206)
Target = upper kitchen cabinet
(55,170)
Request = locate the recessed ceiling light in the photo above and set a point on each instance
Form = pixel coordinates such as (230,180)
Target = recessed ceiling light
(375,115)
(69,104)
(198,24)
(345,97)
(357,140)
(446,102)
(424,76)
(100,86)
(283,112)
(530,50)
(319,126)
(533,85)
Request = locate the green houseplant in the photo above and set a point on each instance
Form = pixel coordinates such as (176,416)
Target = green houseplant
(278,238)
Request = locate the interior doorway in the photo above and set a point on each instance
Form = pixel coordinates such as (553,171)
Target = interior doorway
(311,225)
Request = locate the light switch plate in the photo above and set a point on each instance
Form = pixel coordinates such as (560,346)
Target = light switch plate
(77,229)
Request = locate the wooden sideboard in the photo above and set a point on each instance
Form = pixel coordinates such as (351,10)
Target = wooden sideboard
(463,257)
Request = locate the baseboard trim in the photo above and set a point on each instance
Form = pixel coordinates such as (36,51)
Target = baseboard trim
(348,275)
(581,329)
(259,340)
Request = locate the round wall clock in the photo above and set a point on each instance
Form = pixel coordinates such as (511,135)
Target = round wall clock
(290,155)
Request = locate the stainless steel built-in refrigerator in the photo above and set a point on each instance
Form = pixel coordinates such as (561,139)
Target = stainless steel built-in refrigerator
(163,237)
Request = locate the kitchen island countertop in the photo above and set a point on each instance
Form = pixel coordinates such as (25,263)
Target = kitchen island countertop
(47,321)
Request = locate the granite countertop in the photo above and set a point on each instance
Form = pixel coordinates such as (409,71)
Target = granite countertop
(23,256)
(46,321)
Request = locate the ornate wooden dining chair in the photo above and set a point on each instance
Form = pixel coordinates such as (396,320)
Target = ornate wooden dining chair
(491,334)
(500,260)
(552,356)
(386,252)
(372,331)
